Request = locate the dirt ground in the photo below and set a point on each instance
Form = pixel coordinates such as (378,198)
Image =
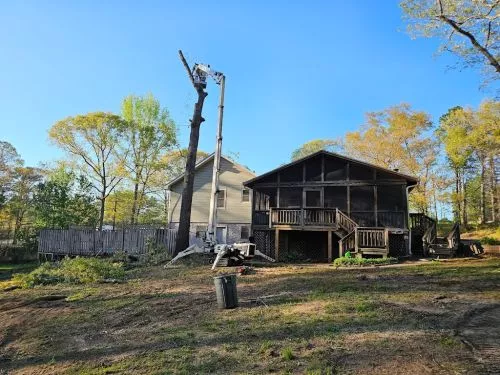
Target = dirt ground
(418,318)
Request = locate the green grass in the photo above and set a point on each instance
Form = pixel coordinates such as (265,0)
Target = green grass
(359,262)
(330,321)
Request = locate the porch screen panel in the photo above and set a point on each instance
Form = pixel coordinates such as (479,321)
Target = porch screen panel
(292,174)
(391,206)
(336,197)
(313,169)
(290,197)
(265,198)
(360,172)
(335,169)
(363,205)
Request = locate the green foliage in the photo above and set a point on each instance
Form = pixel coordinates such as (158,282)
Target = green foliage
(287,354)
(356,262)
(71,270)
(489,241)
(468,29)
(64,199)
(315,145)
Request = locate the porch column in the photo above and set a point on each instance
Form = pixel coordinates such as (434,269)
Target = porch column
(276,244)
(330,249)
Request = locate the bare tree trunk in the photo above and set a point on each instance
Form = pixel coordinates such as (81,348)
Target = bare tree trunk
(493,188)
(464,202)
(482,198)
(134,204)
(101,213)
(187,192)
(458,209)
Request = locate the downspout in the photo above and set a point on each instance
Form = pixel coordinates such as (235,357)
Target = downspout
(408,216)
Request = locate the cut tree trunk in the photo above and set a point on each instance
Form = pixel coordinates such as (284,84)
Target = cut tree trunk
(187,192)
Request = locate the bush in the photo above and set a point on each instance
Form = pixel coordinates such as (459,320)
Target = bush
(357,262)
(489,241)
(71,270)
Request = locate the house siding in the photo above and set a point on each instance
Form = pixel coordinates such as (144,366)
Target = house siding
(231,179)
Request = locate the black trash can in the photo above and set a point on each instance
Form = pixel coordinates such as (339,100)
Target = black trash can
(225,288)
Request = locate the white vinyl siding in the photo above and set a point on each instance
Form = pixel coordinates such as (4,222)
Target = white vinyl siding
(231,180)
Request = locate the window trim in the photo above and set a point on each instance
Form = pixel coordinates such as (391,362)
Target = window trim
(225,198)
(248,231)
(243,190)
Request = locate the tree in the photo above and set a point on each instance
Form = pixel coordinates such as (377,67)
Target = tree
(64,199)
(182,241)
(468,28)
(315,145)
(149,132)
(93,141)
(23,186)
(398,138)
(455,128)
(9,160)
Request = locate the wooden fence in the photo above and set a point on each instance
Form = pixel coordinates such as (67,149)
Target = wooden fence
(88,242)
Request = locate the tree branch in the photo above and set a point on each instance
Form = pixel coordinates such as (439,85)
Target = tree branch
(188,70)
(467,34)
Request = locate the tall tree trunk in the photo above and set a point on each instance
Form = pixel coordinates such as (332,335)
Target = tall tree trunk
(482,198)
(17,226)
(101,213)
(187,192)
(458,209)
(134,204)
(493,189)
(464,201)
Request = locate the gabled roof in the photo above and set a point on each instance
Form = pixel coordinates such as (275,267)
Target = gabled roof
(410,179)
(206,160)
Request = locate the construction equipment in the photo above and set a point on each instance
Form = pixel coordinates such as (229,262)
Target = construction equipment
(236,253)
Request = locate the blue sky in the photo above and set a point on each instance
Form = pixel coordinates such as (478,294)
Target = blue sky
(295,70)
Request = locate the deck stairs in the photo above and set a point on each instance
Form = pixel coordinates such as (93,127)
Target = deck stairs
(425,241)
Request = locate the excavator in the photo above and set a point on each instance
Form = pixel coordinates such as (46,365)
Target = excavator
(226,254)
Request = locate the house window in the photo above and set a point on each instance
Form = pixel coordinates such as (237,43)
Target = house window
(221,198)
(245,233)
(245,195)
(200,231)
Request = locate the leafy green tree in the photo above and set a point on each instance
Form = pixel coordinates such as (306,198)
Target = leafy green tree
(149,133)
(93,141)
(315,145)
(63,200)
(23,186)
(9,160)
(468,28)
(454,131)
(398,138)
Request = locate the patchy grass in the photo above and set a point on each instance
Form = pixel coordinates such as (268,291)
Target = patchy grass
(70,270)
(320,320)
(360,262)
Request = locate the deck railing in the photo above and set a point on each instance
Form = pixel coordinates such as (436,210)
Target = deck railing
(302,216)
(372,237)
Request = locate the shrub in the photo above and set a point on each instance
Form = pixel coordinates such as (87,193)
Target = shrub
(71,270)
(287,354)
(489,241)
(356,262)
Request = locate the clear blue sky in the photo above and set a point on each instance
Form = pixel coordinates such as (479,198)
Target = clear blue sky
(295,71)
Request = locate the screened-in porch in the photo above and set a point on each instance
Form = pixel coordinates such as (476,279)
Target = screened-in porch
(368,205)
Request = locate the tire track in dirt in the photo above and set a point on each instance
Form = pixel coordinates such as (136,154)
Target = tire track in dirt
(480,330)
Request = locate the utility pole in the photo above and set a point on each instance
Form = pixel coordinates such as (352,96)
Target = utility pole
(187,192)
(212,218)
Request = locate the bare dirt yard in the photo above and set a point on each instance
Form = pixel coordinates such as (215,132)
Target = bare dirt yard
(417,318)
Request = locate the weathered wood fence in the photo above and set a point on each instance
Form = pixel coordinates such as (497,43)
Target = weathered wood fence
(88,242)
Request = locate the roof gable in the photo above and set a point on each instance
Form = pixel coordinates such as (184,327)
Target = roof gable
(268,177)
(205,161)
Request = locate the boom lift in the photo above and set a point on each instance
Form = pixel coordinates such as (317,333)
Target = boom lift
(237,252)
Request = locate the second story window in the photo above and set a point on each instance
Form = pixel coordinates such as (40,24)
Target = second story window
(221,198)
(245,195)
